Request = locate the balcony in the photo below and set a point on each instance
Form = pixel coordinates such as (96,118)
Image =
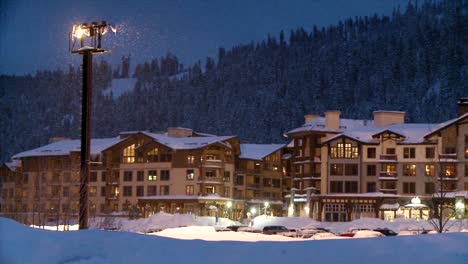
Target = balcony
(388,158)
(388,175)
(448,178)
(212,164)
(113,197)
(388,191)
(255,186)
(448,157)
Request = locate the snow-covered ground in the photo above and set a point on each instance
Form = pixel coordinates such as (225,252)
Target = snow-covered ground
(22,244)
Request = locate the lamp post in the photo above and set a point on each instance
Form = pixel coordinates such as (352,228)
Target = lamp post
(228,206)
(266,205)
(94,31)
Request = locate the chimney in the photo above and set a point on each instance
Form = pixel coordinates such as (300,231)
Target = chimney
(310,117)
(332,120)
(385,118)
(179,132)
(462,106)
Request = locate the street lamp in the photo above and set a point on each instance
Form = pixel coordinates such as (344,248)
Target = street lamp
(228,206)
(266,205)
(94,31)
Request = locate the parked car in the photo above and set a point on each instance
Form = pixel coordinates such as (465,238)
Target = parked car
(367,234)
(308,232)
(273,230)
(352,232)
(386,231)
(235,227)
(222,229)
(248,229)
(325,235)
(293,232)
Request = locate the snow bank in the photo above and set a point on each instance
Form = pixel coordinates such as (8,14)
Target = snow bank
(21,244)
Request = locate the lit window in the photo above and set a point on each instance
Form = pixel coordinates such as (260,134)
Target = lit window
(190,175)
(409,170)
(129,154)
(429,170)
(190,159)
(152,175)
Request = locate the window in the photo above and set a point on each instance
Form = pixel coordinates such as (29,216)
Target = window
(336,186)
(409,187)
(140,176)
(152,175)
(267,182)
(164,190)
(165,175)
(388,185)
(227,191)
(276,183)
(128,175)
(239,180)
(151,190)
(140,191)
(92,191)
(227,176)
(127,191)
(371,187)
(190,159)
(371,153)
(103,191)
(257,165)
(209,189)
(429,187)
(336,169)
(430,152)
(129,154)
(450,171)
(166,157)
(409,170)
(351,169)
(409,153)
(351,187)
(211,157)
(346,150)
(210,173)
(189,189)
(103,176)
(466,170)
(66,191)
(190,175)
(152,155)
(429,170)
(390,151)
(93,176)
(371,170)
(466,146)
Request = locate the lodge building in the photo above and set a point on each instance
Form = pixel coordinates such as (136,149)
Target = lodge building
(332,169)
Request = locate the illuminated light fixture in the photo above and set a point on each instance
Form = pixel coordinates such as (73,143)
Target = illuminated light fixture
(266,204)
(229,204)
(416,200)
(253,210)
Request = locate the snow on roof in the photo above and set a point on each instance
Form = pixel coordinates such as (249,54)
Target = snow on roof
(64,147)
(318,124)
(120,87)
(13,164)
(446,124)
(258,151)
(187,142)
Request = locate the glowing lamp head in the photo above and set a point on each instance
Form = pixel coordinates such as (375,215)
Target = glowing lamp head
(266,204)
(253,210)
(78,31)
(229,205)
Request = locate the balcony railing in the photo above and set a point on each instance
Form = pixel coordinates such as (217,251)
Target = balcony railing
(391,157)
(388,175)
(448,156)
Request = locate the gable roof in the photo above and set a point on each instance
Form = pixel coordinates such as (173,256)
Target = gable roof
(318,125)
(187,142)
(446,124)
(65,147)
(258,151)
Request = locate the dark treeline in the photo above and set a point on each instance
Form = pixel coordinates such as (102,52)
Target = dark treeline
(414,60)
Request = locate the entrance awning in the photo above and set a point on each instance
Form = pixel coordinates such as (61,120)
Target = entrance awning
(390,207)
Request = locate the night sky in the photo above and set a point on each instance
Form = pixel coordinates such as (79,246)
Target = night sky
(34,34)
